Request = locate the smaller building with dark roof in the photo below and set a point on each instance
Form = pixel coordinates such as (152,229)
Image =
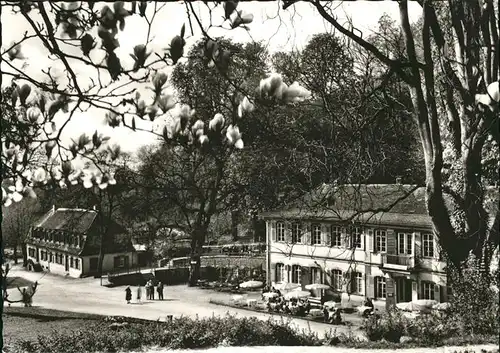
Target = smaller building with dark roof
(68,242)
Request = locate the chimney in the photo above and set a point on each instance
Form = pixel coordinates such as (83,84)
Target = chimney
(398,180)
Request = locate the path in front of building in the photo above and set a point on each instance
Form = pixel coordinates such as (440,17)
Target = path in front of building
(85,295)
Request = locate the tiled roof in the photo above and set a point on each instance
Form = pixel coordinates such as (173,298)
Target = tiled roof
(74,220)
(81,221)
(382,218)
(384,204)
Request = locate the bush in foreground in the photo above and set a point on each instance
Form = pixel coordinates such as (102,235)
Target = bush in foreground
(107,336)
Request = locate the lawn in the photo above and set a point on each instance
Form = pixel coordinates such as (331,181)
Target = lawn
(28,323)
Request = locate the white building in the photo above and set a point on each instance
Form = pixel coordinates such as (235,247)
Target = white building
(389,256)
(68,242)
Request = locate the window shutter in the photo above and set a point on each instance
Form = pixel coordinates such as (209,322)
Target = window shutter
(437,292)
(272,225)
(370,239)
(437,249)
(389,283)
(346,238)
(370,286)
(288,232)
(391,242)
(418,244)
(325,234)
(306,239)
(414,290)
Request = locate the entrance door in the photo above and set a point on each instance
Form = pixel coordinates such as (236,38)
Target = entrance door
(67,263)
(403,290)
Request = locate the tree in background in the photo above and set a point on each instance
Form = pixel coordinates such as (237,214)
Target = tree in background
(16,223)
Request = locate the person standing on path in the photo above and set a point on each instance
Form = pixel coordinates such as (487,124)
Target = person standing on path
(152,290)
(159,288)
(128,294)
(139,293)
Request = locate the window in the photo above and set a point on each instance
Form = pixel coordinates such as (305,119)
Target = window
(357,283)
(336,235)
(280,231)
(51,257)
(380,241)
(316,234)
(428,245)
(77,264)
(315,275)
(380,287)
(427,290)
(356,237)
(296,274)
(71,262)
(405,243)
(280,272)
(296,233)
(119,261)
(31,252)
(337,280)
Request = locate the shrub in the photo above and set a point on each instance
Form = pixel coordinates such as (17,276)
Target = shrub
(432,328)
(390,326)
(474,304)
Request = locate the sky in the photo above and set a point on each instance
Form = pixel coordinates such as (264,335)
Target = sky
(279,30)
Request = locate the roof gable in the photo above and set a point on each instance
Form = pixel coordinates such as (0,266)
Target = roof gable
(74,220)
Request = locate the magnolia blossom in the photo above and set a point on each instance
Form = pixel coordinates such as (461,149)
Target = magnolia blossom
(240,18)
(159,79)
(29,192)
(40,175)
(49,127)
(273,86)
(198,127)
(87,179)
(245,107)
(217,122)
(15,52)
(166,102)
(175,126)
(34,115)
(491,98)
(74,176)
(203,139)
(234,137)
(296,93)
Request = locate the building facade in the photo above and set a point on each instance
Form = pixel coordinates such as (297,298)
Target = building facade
(390,256)
(68,242)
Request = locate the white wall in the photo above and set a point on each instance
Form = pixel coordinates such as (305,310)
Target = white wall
(107,263)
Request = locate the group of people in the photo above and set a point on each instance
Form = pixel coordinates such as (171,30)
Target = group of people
(150,292)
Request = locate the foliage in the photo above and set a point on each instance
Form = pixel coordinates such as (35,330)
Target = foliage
(182,333)
(474,302)
(390,326)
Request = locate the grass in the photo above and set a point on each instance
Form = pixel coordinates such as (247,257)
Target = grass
(28,323)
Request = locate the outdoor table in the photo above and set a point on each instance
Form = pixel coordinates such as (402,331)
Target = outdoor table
(316,312)
(331,304)
(251,302)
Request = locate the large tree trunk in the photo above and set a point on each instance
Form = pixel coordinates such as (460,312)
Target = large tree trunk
(25,254)
(197,241)
(15,253)
(235,218)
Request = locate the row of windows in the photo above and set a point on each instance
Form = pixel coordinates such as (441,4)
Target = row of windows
(58,237)
(339,235)
(57,258)
(353,281)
